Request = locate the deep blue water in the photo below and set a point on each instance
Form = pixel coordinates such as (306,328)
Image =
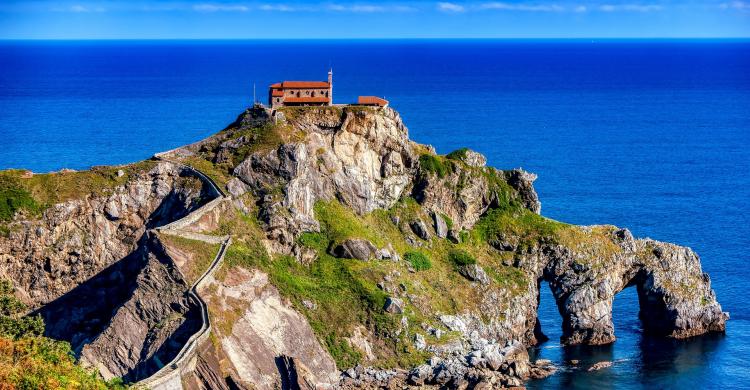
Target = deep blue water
(651,135)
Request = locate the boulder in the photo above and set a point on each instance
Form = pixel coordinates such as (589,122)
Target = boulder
(355,248)
(474,159)
(441,227)
(419,342)
(600,365)
(394,305)
(475,273)
(420,229)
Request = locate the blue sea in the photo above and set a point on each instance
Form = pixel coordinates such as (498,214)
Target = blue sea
(650,135)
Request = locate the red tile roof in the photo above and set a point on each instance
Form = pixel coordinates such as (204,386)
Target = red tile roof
(277,92)
(306,100)
(372,100)
(300,84)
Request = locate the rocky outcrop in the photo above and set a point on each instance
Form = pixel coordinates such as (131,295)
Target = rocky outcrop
(363,159)
(75,240)
(88,266)
(149,327)
(101,281)
(675,296)
(267,334)
(355,249)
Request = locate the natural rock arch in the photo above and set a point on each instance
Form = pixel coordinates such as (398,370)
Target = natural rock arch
(674,295)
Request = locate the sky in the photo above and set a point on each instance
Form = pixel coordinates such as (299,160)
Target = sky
(295,19)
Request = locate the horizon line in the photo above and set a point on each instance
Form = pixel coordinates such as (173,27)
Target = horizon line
(389,39)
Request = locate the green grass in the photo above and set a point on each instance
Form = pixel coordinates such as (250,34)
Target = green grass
(527,226)
(418,260)
(13,198)
(314,240)
(460,257)
(202,254)
(435,165)
(341,223)
(36,193)
(458,154)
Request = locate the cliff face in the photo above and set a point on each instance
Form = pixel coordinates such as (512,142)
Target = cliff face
(88,266)
(74,240)
(352,248)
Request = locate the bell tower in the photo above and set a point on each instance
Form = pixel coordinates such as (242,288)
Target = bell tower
(330,87)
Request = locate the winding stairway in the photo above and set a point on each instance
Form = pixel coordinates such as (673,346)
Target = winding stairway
(169,376)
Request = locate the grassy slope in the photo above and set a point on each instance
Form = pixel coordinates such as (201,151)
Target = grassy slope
(36,193)
(203,254)
(30,361)
(41,363)
(345,291)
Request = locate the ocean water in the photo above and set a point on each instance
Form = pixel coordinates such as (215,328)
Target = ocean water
(650,135)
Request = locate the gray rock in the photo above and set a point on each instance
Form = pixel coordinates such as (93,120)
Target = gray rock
(309,304)
(523,182)
(600,365)
(419,342)
(453,323)
(420,229)
(474,159)
(475,273)
(454,236)
(394,305)
(236,187)
(355,248)
(441,227)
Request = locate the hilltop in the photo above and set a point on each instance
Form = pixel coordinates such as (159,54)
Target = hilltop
(326,249)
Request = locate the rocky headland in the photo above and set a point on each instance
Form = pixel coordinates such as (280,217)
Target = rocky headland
(319,247)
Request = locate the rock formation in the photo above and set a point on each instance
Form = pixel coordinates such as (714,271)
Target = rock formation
(342,233)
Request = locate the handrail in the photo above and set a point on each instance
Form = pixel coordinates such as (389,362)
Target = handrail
(166,372)
(159,157)
(162,375)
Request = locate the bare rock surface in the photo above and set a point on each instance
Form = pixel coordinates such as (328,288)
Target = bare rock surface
(87,266)
(362,159)
(267,329)
(75,240)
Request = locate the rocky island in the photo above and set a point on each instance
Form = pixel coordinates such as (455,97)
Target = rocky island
(319,247)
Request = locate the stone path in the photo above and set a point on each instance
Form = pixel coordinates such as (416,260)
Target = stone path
(169,376)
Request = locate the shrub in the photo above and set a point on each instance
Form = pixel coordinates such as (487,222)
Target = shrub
(434,164)
(13,197)
(12,323)
(31,361)
(418,260)
(461,257)
(317,241)
(458,154)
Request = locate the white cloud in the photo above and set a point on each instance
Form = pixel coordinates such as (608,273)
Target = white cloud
(77,8)
(356,8)
(736,5)
(277,7)
(221,8)
(523,7)
(581,7)
(630,7)
(335,7)
(450,7)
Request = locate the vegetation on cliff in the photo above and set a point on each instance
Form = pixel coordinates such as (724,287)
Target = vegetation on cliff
(31,361)
(349,237)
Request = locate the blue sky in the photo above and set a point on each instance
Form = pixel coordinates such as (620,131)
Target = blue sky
(136,19)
